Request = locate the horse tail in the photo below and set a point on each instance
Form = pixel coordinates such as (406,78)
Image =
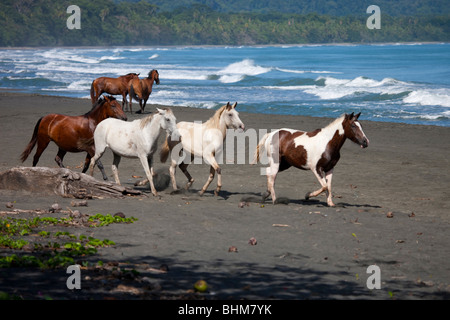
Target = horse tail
(93,93)
(32,142)
(86,144)
(165,150)
(260,148)
(133,94)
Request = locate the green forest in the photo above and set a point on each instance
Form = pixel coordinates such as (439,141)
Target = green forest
(207,22)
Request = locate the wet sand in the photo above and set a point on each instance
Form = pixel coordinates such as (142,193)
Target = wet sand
(304,250)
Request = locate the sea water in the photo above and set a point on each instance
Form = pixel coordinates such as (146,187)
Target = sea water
(407,83)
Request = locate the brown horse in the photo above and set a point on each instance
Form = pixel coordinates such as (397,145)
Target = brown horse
(112,86)
(72,133)
(140,89)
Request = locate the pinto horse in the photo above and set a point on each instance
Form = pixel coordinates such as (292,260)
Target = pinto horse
(72,133)
(203,140)
(112,86)
(317,151)
(140,89)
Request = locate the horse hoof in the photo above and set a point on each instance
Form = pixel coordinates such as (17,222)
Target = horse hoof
(201,192)
(307,196)
(216,193)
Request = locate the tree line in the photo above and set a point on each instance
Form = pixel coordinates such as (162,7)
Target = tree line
(109,23)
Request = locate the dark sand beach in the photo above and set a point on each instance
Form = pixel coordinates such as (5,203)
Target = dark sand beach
(304,250)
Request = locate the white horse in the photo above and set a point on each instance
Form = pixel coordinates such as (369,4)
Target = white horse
(203,140)
(136,139)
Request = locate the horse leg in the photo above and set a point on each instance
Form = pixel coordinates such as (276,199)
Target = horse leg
(183,166)
(115,168)
(323,182)
(172,170)
(124,101)
(328,177)
(219,181)
(140,105)
(100,148)
(212,172)
(210,158)
(59,157)
(271,173)
(143,106)
(130,105)
(87,161)
(147,163)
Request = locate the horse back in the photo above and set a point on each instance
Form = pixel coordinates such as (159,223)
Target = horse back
(290,153)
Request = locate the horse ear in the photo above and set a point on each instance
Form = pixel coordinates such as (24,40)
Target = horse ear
(161,111)
(228,106)
(234,105)
(357,116)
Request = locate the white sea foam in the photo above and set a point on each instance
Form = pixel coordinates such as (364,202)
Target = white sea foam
(334,88)
(183,74)
(307,71)
(429,97)
(154,56)
(237,71)
(111,58)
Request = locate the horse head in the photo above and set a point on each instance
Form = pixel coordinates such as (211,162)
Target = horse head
(354,131)
(154,74)
(168,122)
(112,109)
(231,117)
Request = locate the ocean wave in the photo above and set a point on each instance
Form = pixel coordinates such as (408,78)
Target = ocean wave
(429,97)
(330,88)
(306,71)
(154,56)
(183,74)
(111,58)
(237,71)
(66,55)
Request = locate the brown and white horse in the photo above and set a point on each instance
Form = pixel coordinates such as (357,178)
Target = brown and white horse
(317,151)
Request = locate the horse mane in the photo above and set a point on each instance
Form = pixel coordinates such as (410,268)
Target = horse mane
(150,73)
(145,121)
(336,121)
(214,121)
(99,103)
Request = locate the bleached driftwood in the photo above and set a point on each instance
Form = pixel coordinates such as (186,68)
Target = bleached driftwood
(60,181)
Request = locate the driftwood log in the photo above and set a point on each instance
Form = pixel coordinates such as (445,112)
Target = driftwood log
(60,181)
